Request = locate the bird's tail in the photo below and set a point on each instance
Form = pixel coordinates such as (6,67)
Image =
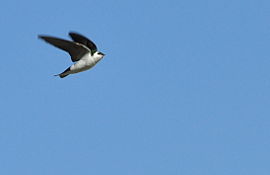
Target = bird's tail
(63,74)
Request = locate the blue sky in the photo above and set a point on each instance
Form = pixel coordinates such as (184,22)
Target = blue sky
(184,88)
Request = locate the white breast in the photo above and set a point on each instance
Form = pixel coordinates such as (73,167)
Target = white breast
(85,63)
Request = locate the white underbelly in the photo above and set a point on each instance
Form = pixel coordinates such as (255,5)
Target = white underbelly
(82,65)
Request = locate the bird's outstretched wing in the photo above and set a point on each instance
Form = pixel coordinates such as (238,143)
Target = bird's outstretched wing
(83,40)
(75,50)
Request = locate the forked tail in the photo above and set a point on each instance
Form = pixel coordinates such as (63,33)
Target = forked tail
(64,74)
(61,75)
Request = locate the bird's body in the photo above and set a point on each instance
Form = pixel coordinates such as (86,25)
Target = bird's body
(82,51)
(85,63)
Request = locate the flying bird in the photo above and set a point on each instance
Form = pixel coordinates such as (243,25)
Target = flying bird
(82,50)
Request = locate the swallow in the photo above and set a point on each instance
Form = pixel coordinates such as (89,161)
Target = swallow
(83,52)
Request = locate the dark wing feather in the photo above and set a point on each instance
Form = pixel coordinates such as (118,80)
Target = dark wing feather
(83,40)
(75,50)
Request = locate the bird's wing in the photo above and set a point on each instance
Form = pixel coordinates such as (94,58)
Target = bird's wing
(75,50)
(83,40)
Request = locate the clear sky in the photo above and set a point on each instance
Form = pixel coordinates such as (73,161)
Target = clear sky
(184,88)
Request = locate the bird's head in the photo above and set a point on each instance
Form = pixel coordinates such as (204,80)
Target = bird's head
(98,55)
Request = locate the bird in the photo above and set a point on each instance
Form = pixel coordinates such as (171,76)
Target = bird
(83,52)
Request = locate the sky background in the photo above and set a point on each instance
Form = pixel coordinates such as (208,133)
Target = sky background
(184,88)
